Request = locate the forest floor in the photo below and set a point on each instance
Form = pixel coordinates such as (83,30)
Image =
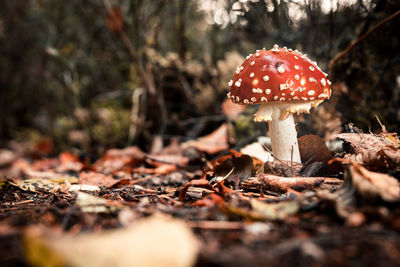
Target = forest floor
(201,204)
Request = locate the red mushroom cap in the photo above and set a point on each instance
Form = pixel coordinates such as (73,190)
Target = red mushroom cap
(278,75)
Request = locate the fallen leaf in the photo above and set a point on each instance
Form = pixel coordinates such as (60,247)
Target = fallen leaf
(257,150)
(235,169)
(372,185)
(93,204)
(165,169)
(37,185)
(209,200)
(167,159)
(213,143)
(158,240)
(84,187)
(116,159)
(197,182)
(98,179)
(375,151)
(313,149)
(69,162)
(360,188)
(275,211)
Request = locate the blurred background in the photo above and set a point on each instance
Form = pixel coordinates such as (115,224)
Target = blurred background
(90,75)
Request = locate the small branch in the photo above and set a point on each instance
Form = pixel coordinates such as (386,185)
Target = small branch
(356,42)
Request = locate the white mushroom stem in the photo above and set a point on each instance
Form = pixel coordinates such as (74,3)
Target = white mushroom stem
(282,129)
(284,138)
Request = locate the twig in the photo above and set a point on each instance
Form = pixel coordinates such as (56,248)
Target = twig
(356,42)
(23,202)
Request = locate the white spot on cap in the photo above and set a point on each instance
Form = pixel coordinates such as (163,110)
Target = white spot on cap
(252,75)
(321,95)
(253,99)
(296,77)
(295,98)
(230,83)
(304,98)
(296,57)
(329,82)
(228,95)
(282,99)
(311,92)
(276,97)
(275,48)
(264,99)
(246,101)
(301,89)
(257,54)
(311,79)
(292,93)
(252,63)
(323,81)
(266,78)
(296,67)
(237,99)
(302,81)
(239,69)
(281,69)
(254,90)
(311,68)
(259,90)
(237,83)
(283,94)
(267,91)
(283,86)
(312,98)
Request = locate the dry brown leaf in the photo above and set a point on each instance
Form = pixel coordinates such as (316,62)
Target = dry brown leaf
(373,185)
(213,143)
(361,187)
(375,151)
(116,159)
(95,178)
(237,168)
(313,149)
(69,162)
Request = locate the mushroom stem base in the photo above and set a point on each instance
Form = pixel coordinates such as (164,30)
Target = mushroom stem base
(284,138)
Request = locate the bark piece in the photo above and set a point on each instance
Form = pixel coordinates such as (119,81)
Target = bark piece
(282,184)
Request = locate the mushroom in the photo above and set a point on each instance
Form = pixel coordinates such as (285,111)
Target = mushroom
(284,82)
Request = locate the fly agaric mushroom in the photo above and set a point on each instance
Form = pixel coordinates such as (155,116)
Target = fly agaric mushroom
(284,82)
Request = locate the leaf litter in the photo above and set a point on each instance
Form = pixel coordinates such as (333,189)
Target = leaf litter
(199,203)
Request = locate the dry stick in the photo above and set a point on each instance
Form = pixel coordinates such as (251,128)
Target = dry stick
(356,42)
(23,202)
